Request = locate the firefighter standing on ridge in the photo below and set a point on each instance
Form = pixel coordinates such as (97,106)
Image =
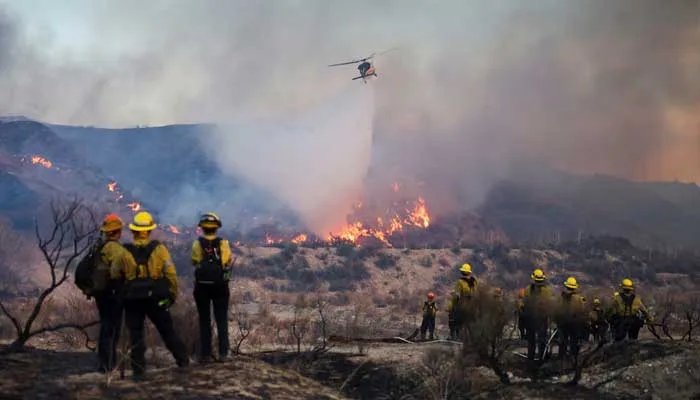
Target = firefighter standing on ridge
(464,289)
(536,314)
(108,303)
(429,313)
(598,324)
(150,287)
(571,319)
(211,256)
(627,312)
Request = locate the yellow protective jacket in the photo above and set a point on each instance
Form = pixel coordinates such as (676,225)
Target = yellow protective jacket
(224,248)
(429,309)
(110,252)
(159,265)
(628,305)
(538,300)
(572,307)
(464,289)
(597,316)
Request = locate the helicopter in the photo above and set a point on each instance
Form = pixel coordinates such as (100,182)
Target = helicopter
(366,68)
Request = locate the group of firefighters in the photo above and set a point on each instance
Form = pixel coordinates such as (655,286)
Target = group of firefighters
(537,307)
(138,280)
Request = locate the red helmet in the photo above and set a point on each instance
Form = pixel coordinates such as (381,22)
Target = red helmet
(431,295)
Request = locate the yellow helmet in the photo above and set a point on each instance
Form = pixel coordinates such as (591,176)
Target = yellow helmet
(143,222)
(538,275)
(210,220)
(466,269)
(627,284)
(571,283)
(596,301)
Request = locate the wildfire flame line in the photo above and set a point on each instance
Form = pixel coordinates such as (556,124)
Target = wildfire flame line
(418,217)
(42,161)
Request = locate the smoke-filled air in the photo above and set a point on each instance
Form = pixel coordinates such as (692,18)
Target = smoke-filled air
(470,90)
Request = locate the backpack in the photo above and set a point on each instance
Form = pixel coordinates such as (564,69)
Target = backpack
(628,301)
(141,288)
(85,271)
(211,269)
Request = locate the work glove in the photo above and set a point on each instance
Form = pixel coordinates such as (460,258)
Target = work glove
(166,303)
(227,274)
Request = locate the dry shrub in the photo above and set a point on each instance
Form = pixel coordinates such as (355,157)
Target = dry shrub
(75,309)
(442,375)
(487,331)
(241,324)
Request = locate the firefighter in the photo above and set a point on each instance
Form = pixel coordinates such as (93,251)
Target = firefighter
(109,306)
(536,314)
(519,312)
(627,312)
(571,319)
(598,323)
(211,256)
(429,313)
(149,288)
(464,289)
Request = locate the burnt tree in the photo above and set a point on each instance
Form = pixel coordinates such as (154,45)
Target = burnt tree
(71,232)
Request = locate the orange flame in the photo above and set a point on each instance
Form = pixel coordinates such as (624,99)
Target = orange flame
(173,229)
(134,206)
(41,161)
(301,238)
(395,187)
(270,240)
(112,186)
(418,217)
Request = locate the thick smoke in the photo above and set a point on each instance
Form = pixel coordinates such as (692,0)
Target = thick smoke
(474,89)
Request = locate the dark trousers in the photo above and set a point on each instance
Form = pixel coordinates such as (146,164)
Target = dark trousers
(522,327)
(455,326)
(627,327)
(536,332)
(136,312)
(599,331)
(570,335)
(428,325)
(110,310)
(208,296)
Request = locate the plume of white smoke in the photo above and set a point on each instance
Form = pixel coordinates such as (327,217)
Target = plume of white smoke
(315,162)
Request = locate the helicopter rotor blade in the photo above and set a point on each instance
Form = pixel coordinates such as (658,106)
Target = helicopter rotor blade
(346,63)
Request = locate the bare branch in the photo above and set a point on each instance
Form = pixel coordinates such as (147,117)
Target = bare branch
(15,321)
(74,225)
(80,327)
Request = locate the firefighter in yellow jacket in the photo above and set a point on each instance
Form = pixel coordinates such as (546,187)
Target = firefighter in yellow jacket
(572,320)
(211,256)
(108,303)
(149,287)
(598,322)
(429,314)
(537,311)
(627,312)
(465,288)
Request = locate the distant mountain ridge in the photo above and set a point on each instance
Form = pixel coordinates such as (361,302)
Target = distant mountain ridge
(168,171)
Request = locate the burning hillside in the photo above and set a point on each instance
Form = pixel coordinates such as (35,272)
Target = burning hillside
(400,216)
